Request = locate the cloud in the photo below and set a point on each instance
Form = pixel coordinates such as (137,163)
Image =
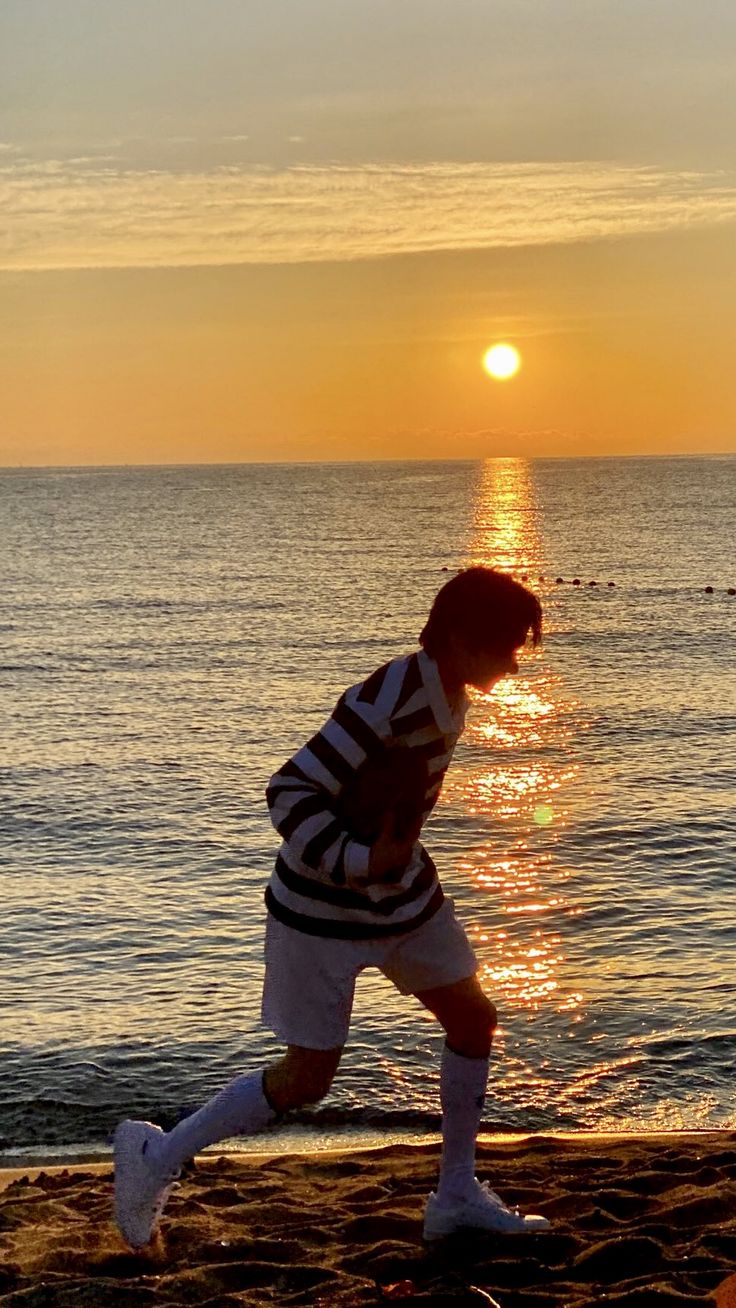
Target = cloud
(79,214)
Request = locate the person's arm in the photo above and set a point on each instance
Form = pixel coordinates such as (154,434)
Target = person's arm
(302,797)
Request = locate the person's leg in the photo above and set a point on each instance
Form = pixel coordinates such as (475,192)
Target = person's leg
(303,1076)
(436,963)
(307,1001)
(147,1159)
(251,1102)
(469,1019)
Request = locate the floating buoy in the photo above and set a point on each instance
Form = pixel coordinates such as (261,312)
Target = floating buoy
(444,569)
(709,590)
(525,576)
(731,590)
(592,583)
(611,583)
(559,581)
(576,581)
(540,578)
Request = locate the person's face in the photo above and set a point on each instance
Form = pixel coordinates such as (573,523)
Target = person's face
(484,668)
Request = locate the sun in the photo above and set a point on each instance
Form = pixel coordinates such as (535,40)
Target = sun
(502,361)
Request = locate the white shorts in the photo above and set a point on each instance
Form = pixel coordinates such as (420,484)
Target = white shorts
(310,980)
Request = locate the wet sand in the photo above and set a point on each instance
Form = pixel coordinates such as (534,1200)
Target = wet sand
(636,1220)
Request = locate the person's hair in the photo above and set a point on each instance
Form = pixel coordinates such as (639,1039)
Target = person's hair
(486,609)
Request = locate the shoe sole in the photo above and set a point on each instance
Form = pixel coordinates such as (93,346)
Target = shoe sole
(481,1230)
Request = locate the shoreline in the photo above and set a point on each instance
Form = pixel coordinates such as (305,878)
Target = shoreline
(97,1162)
(357,1141)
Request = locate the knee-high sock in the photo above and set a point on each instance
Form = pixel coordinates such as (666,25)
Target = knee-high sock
(462,1092)
(240,1109)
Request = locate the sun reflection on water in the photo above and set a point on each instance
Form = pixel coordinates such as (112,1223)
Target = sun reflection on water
(523,710)
(506,518)
(520,960)
(514,790)
(517,770)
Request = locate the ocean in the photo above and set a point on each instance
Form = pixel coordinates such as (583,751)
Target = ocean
(171,635)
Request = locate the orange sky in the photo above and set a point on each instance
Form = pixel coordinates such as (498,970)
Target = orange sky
(246,237)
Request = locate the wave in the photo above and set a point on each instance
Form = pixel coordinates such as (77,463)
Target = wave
(50,1123)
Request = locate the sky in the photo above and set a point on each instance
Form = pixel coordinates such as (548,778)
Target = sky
(238,231)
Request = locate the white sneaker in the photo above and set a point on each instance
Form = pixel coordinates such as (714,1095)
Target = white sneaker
(482,1210)
(142,1184)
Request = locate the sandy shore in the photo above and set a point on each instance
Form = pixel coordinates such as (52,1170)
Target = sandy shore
(636,1220)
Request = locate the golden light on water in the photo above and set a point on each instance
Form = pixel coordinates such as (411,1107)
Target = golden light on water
(502,361)
(505,518)
(519,711)
(508,791)
(517,777)
(521,959)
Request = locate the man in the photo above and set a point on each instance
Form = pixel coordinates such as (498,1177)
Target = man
(352,890)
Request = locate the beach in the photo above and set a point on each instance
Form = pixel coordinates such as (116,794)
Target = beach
(636,1219)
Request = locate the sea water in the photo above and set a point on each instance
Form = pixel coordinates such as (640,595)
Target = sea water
(169,636)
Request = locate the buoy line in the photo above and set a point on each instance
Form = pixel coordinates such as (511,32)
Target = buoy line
(610,585)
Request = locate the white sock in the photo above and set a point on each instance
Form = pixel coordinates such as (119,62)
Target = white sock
(462,1092)
(240,1109)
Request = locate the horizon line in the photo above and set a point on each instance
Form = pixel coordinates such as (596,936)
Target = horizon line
(270,463)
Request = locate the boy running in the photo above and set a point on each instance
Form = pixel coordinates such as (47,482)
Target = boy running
(341,900)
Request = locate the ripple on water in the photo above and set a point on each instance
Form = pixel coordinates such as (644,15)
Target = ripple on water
(172,635)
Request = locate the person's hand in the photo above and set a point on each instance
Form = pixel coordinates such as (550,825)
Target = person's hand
(390,854)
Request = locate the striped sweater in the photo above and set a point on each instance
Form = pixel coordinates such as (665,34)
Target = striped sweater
(402,702)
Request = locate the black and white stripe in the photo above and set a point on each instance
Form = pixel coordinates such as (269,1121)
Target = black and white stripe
(402,702)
